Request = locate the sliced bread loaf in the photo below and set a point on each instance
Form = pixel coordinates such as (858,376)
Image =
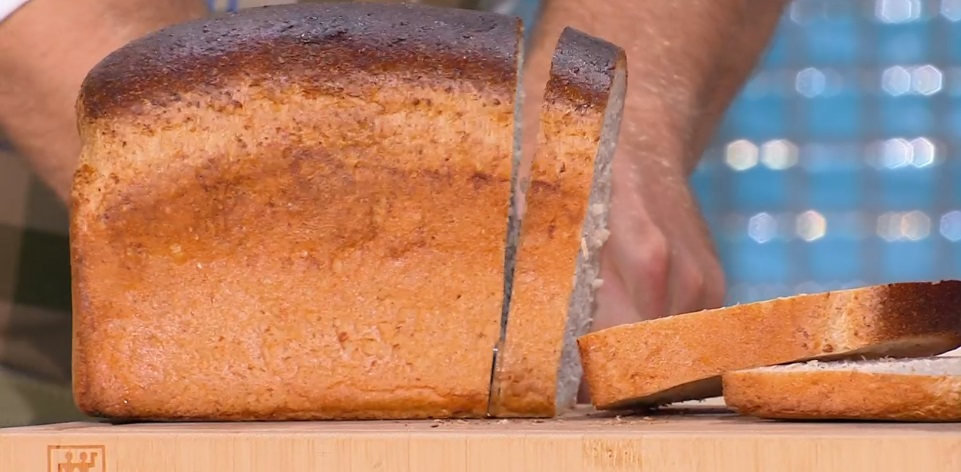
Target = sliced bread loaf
(295,212)
(682,357)
(299,212)
(926,389)
(564,225)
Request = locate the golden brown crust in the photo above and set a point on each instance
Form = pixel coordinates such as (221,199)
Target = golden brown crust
(630,365)
(582,70)
(562,179)
(311,45)
(261,248)
(843,395)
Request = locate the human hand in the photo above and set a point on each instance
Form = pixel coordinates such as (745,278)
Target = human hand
(659,259)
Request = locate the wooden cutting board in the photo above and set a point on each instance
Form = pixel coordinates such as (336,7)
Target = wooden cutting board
(690,440)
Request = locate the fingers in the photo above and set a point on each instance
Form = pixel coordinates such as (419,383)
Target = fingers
(714,292)
(614,306)
(659,259)
(648,277)
(696,282)
(685,286)
(646,268)
(635,271)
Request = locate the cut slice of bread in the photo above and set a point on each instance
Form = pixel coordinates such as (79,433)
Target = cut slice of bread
(295,212)
(682,357)
(563,227)
(926,389)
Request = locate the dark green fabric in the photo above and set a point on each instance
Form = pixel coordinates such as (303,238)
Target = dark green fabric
(26,401)
(35,321)
(44,271)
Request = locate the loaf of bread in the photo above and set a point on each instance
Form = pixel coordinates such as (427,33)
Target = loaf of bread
(301,212)
(565,194)
(682,357)
(926,389)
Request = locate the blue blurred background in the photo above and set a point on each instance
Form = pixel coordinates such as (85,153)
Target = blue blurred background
(835,165)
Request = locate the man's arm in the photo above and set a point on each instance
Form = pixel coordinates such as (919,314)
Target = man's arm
(686,61)
(46,49)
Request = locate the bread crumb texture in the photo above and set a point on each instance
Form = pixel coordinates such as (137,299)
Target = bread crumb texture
(295,212)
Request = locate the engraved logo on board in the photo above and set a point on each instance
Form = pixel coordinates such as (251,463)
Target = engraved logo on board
(76,459)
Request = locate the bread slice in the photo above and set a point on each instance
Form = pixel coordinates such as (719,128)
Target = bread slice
(682,357)
(295,212)
(565,206)
(926,389)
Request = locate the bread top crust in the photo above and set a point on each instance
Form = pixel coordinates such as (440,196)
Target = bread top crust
(582,71)
(939,302)
(312,45)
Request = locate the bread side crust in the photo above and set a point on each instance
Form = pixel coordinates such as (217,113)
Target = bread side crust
(637,365)
(843,395)
(325,242)
(563,179)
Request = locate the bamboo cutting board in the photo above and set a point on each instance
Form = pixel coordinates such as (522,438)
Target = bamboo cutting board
(692,440)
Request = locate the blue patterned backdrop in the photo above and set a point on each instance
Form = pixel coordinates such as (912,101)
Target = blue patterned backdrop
(835,165)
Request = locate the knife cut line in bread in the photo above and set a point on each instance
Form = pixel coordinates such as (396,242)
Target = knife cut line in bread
(683,357)
(565,197)
(298,212)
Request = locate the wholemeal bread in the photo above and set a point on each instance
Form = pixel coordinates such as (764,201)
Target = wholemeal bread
(565,206)
(304,212)
(682,357)
(927,389)
(295,212)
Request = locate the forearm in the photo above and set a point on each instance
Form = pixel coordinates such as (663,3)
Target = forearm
(686,58)
(46,49)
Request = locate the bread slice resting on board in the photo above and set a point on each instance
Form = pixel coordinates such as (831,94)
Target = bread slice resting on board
(916,390)
(683,357)
(306,212)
